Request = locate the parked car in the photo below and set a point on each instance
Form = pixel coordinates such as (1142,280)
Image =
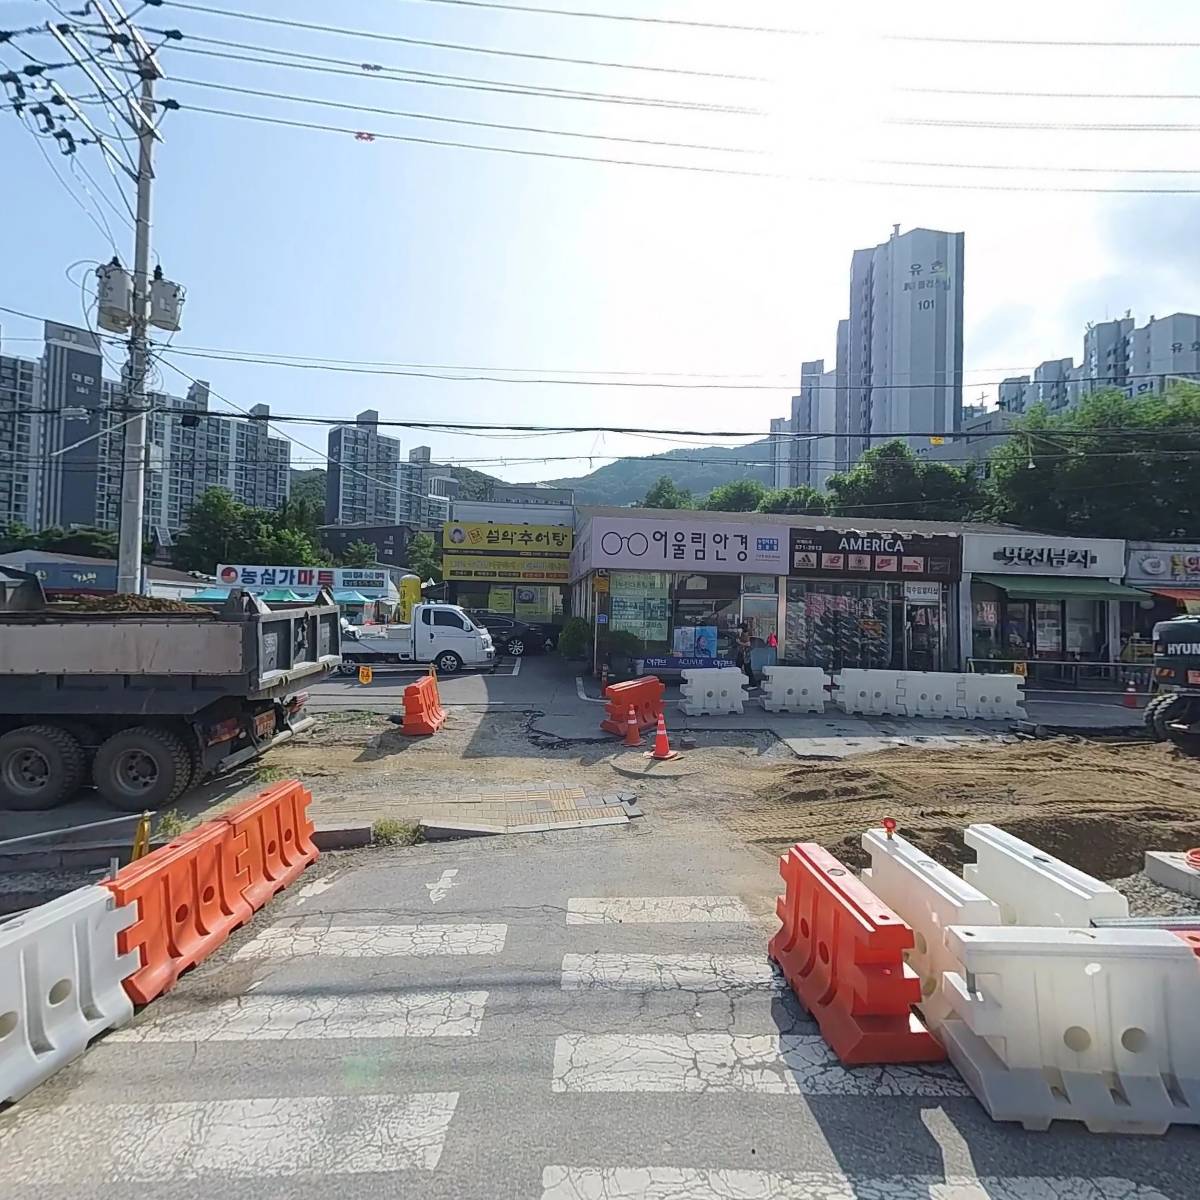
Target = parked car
(512,637)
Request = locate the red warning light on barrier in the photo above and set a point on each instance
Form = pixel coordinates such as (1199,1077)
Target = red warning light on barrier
(889,825)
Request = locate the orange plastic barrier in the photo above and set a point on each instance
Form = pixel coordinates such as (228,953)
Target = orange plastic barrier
(841,949)
(423,711)
(189,897)
(643,695)
(278,839)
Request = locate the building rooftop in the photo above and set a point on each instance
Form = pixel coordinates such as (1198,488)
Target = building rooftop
(16,558)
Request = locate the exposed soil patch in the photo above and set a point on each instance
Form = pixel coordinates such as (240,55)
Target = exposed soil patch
(1099,807)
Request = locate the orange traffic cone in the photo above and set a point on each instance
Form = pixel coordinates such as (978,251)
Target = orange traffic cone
(633,735)
(1129,700)
(662,748)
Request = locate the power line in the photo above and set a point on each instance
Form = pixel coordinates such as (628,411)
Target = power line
(1038,126)
(416,116)
(1008,93)
(841,181)
(373,35)
(465,82)
(603,16)
(372,136)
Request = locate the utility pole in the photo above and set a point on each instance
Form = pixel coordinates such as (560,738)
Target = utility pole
(140,302)
(133,475)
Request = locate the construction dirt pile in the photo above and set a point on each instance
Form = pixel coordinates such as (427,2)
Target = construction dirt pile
(123,603)
(1098,806)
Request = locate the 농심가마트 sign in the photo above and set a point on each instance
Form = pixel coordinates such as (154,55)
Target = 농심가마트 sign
(841,554)
(688,545)
(261,579)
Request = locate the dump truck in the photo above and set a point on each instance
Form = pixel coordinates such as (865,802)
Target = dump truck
(143,698)
(1174,713)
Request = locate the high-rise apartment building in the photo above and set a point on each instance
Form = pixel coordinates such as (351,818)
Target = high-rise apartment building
(899,360)
(58,481)
(1118,355)
(20,429)
(363,486)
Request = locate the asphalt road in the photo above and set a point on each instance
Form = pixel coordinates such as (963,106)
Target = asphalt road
(587,1016)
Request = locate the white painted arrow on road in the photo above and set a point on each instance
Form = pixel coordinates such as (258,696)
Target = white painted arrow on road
(441,888)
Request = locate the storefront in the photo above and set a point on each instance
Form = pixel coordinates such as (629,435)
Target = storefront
(683,586)
(679,588)
(1050,600)
(871,600)
(518,570)
(1170,573)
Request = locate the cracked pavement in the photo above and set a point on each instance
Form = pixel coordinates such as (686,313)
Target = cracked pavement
(588,1016)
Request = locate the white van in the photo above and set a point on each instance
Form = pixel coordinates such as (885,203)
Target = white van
(441,634)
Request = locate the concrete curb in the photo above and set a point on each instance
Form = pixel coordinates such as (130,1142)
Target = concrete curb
(342,837)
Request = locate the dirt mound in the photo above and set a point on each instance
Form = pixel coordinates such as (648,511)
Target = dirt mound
(1097,806)
(125,603)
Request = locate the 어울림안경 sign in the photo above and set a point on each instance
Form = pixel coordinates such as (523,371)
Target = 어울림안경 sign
(688,545)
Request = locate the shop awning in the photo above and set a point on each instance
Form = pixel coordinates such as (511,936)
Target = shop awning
(1054,587)
(209,595)
(349,596)
(1183,595)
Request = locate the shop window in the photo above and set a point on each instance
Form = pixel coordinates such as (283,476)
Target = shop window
(839,625)
(639,603)
(705,614)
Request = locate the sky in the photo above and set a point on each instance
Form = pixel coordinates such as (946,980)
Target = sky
(301,242)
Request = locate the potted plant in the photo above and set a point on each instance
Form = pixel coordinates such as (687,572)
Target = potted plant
(624,649)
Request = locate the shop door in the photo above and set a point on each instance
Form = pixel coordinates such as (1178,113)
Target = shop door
(923,637)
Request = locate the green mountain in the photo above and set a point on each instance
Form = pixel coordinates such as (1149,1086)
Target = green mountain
(310,485)
(627,480)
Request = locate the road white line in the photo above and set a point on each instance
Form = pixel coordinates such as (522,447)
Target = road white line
(373,941)
(720,1063)
(516,667)
(209,1139)
(655,910)
(316,888)
(440,888)
(673,1183)
(275,1018)
(652,972)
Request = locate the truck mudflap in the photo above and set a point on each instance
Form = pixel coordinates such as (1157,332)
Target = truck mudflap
(247,753)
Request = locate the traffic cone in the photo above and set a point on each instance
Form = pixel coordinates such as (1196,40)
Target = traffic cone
(633,735)
(1129,700)
(662,748)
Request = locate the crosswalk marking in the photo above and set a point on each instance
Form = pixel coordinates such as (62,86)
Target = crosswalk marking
(650,972)
(373,941)
(269,1136)
(673,1183)
(655,910)
(286,1018)
(770,1064)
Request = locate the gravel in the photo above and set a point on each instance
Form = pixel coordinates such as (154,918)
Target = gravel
(1150,899)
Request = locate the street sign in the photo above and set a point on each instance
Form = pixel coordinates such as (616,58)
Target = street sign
(365,675)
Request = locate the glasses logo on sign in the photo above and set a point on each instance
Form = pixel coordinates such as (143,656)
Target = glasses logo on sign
(635,544)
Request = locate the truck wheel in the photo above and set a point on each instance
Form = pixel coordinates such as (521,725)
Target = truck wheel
(448,662)
(142,768)
(40,766)
(1159,711)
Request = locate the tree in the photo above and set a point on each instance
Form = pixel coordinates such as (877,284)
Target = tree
(359,554)
(424,558)
(86,541)
(309,486)
(664,494)
(891,482)
(15,536)
(742,495)
(802,500)
(1114,466)
(222,529)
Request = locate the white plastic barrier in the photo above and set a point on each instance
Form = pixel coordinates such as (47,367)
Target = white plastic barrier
(929,898)
(932,694)
(993,697)
(872,693)
(1034,888)
(713,691)
(60,984)
(794,689)
(1094,1025)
